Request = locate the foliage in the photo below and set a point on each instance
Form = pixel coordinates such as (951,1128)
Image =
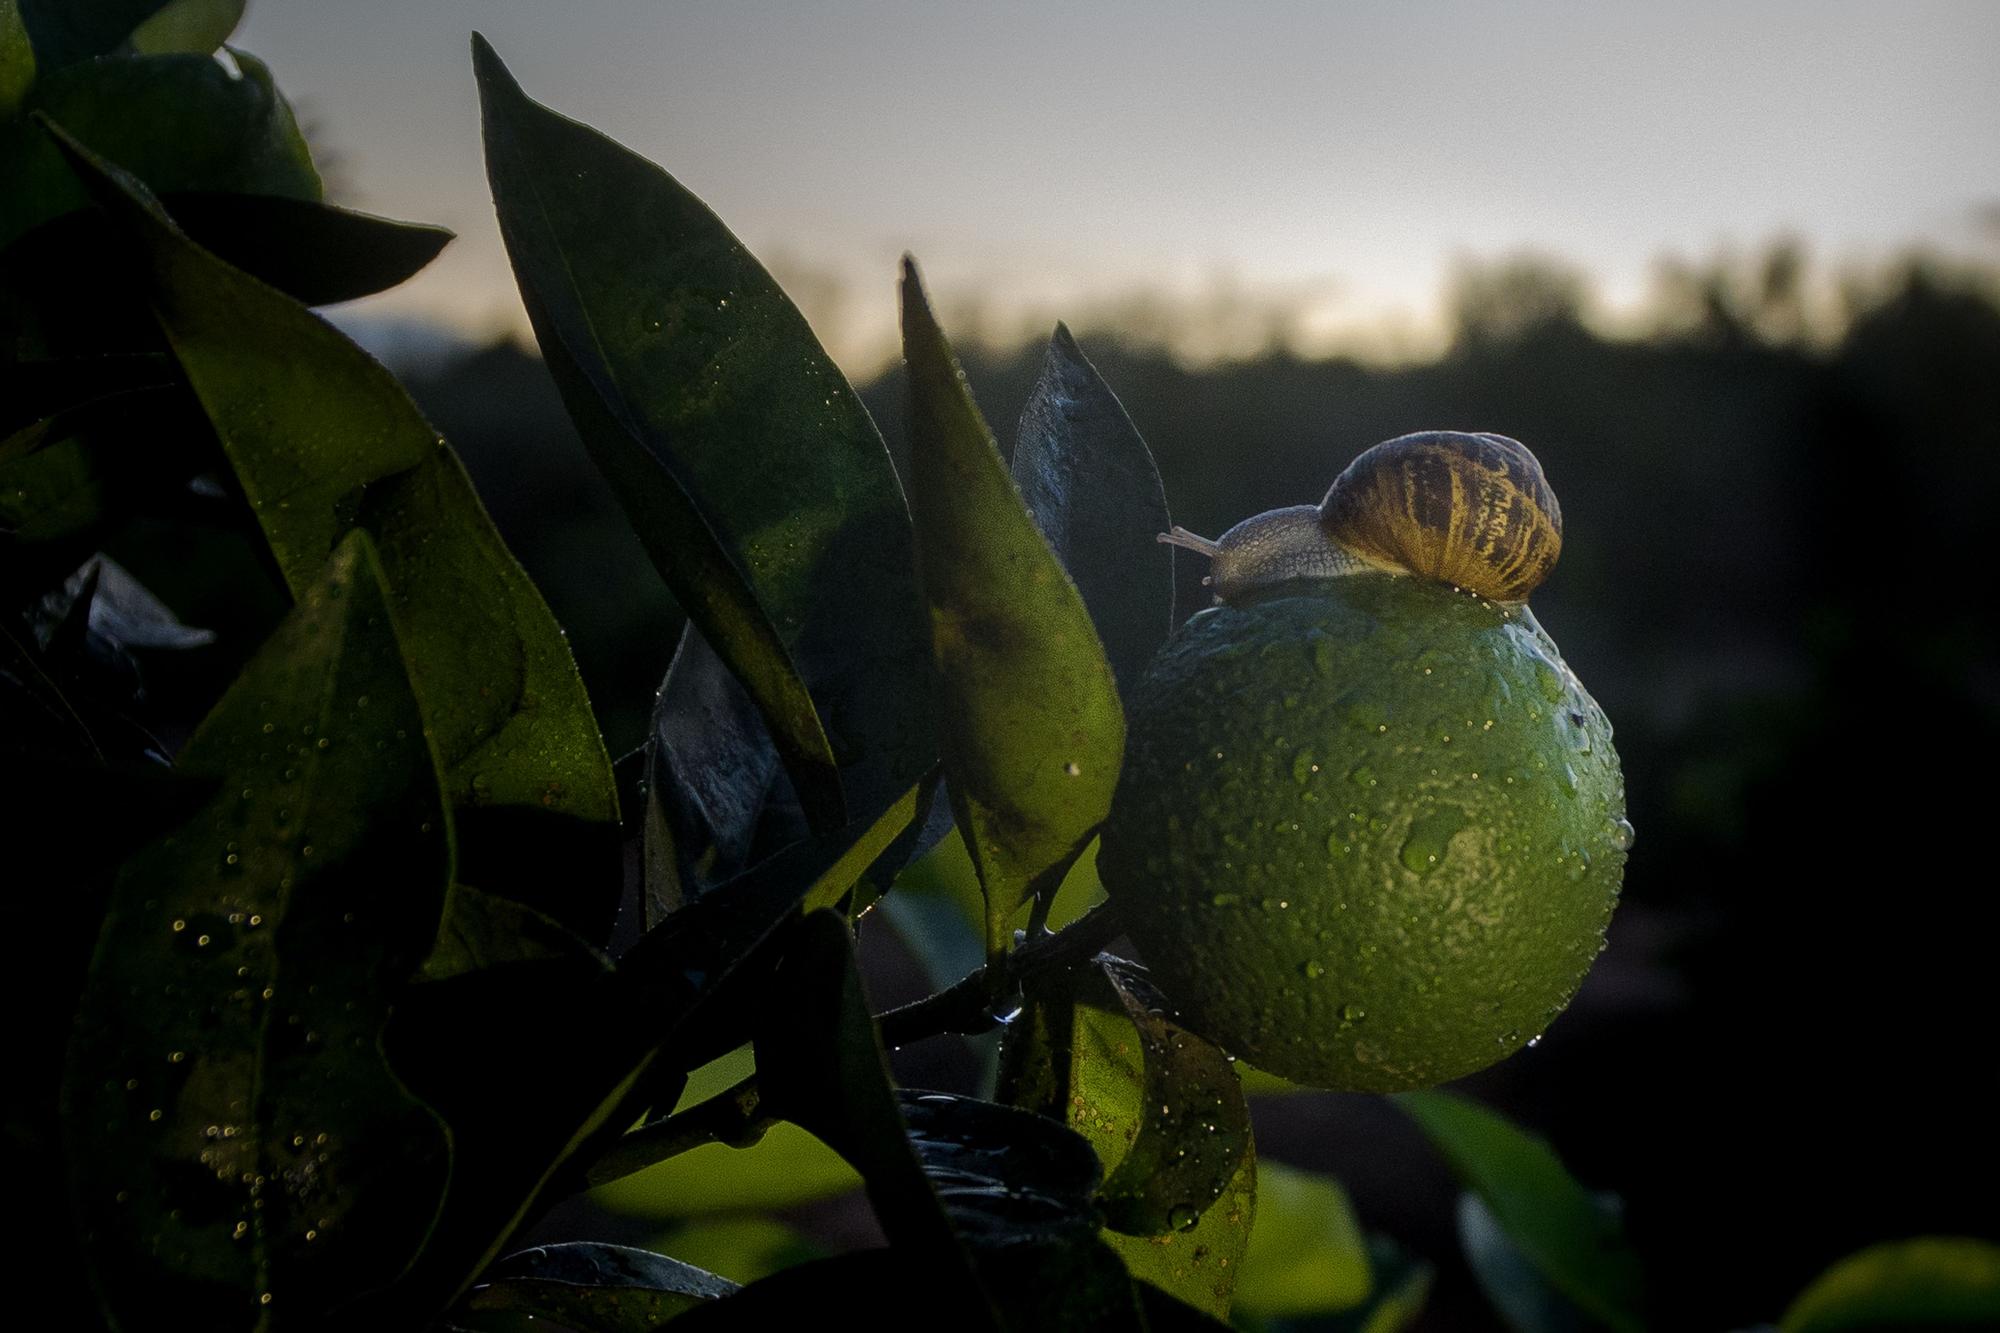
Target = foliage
(350,1006)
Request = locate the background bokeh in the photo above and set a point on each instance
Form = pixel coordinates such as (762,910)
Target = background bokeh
(1735,278)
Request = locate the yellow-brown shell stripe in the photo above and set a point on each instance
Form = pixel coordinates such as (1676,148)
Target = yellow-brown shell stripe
(1470,510)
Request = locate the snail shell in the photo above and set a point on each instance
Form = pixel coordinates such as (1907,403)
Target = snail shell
(1471,510)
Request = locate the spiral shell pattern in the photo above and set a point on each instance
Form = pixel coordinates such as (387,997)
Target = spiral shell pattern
(1470,510)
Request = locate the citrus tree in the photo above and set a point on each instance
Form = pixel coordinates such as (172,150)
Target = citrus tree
(327,1010)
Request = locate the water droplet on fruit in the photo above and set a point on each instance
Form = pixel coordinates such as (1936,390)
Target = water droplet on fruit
(1312,969)
(1623,834)
(1352,1013)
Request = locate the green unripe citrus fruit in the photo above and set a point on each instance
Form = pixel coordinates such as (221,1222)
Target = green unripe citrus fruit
(1370,829)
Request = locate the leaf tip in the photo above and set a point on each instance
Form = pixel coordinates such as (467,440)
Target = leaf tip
(488,69)
(109,185)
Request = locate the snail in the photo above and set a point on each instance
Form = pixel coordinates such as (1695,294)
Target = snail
(1470,510)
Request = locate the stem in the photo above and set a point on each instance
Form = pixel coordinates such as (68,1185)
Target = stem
(734,1116)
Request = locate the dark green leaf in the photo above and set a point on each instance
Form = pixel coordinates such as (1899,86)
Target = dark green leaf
(64,854)
(17,58)
(315,253)
(66,31)
(176,122)
(1306,1254)
(1931,1282)
(196,27)
(483,930)
(308,421)
(1030,725)
(1180,1159)
(75,292)
(501,693)
(745,461)
(1556,1223)
(696,951)
(597,1288)
(71,420)
(1090,482)
(1160,1108)
(236,1138)
(304,416)
(1019,1189)
(528,1063)
(821,1066)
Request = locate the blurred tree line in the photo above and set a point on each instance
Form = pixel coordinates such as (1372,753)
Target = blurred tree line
(1775,517)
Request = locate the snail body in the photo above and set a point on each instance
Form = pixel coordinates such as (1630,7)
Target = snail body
(1470,510)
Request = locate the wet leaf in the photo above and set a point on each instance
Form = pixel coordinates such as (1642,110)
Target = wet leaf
(176,122)
(1557,1225)
(597,1288)
(524,762)
(1089,480)
(1191,1125)
(321,437)
(305,418)
(1161,1108)
(745,461)
(1030,725)
(236,1137)
(1942,1282)
(196,27)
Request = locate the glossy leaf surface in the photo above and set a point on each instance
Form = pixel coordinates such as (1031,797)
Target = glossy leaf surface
(237,1140)
(1160,1108)
(597,1288)
(1089,480)
(1030,725)
(305,418)
(747,464)
(321,437)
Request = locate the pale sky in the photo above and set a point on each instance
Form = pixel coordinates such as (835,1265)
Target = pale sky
(1056,159)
